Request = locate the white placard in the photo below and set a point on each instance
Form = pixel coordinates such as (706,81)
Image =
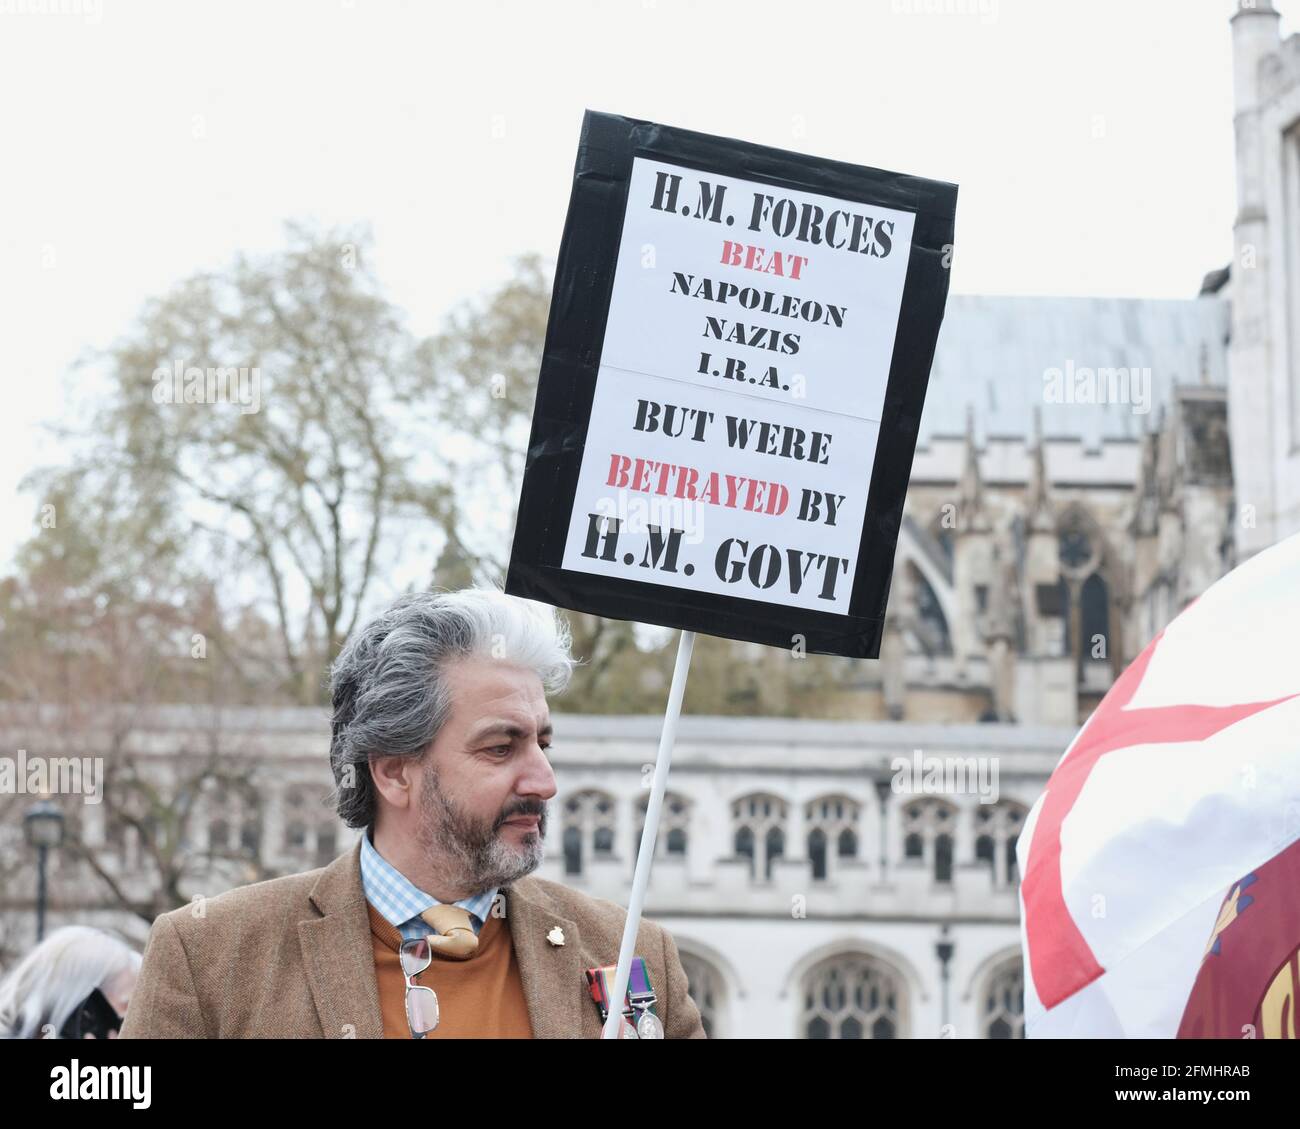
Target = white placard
(738,400)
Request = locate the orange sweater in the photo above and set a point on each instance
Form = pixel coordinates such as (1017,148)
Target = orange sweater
(479,998)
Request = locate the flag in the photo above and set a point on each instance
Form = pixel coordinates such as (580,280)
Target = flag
(1161,864)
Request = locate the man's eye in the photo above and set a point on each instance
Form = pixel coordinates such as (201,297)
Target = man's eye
(501,750)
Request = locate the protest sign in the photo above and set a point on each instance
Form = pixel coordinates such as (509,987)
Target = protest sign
(731,386)
(739,343)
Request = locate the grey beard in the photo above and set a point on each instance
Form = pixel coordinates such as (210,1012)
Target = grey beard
(475,854)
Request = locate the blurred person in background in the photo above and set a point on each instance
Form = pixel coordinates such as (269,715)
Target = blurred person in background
(75,984)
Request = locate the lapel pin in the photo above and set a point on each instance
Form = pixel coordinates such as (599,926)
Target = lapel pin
(556,936)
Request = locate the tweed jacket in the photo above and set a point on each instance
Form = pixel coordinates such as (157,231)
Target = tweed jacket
(293,958)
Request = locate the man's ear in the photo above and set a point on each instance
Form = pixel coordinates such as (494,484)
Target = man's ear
(396,779)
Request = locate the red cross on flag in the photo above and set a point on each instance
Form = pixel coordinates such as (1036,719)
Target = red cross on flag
(1160,865)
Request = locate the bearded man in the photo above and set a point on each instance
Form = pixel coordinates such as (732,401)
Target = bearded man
(431,926)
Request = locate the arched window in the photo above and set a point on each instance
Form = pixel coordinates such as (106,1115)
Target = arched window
(997,828)
(1094,615)
(674,826)
(572,851)
(705,986)
(943,857)
(1002,1015)
(1077,543)
(588,829)
(234,822)
(774,841)
(1081,548)
(928,829)
(852,996)
(758,831)
(744,846)
(832,821)
(817,853)
(931,625)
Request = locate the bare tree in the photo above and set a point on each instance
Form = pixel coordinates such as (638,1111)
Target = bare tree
(305,486)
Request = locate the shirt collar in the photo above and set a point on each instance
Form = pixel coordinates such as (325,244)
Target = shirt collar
(400,902)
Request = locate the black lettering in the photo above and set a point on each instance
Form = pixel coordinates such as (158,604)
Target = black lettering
(666,186)
(662,547)
(606,538)
(710,205)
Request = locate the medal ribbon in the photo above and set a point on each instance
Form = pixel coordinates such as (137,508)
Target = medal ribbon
(638,988)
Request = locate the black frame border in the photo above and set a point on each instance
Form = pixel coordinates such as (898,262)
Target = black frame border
(584,282)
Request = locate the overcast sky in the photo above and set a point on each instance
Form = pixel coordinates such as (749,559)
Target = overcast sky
(140,142)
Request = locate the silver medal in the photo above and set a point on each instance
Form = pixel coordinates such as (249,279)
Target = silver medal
(648,1026)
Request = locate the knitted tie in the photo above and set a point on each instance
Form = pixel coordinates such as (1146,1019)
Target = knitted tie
(453,934)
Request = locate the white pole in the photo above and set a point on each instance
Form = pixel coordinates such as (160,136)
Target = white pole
(685,644)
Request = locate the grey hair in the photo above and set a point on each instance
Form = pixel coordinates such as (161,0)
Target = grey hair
(388,688)
(48,984)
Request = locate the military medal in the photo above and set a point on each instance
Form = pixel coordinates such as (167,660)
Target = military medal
(639,1018)
(649,1026)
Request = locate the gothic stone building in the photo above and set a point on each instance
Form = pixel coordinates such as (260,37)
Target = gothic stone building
(810,895)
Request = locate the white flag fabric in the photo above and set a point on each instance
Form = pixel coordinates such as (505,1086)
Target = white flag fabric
(1162,863)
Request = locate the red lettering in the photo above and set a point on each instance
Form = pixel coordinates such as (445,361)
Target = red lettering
(618,465)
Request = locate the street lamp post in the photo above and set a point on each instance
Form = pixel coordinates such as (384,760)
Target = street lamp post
(43,829)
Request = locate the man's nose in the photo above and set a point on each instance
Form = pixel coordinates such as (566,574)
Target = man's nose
(538,778)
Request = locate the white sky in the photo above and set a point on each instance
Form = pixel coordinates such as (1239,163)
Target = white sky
(1092,140)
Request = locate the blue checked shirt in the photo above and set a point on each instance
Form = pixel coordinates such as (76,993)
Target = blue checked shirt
(400,903)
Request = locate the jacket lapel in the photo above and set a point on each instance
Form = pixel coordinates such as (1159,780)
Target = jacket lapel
(337,953)
(554,979)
